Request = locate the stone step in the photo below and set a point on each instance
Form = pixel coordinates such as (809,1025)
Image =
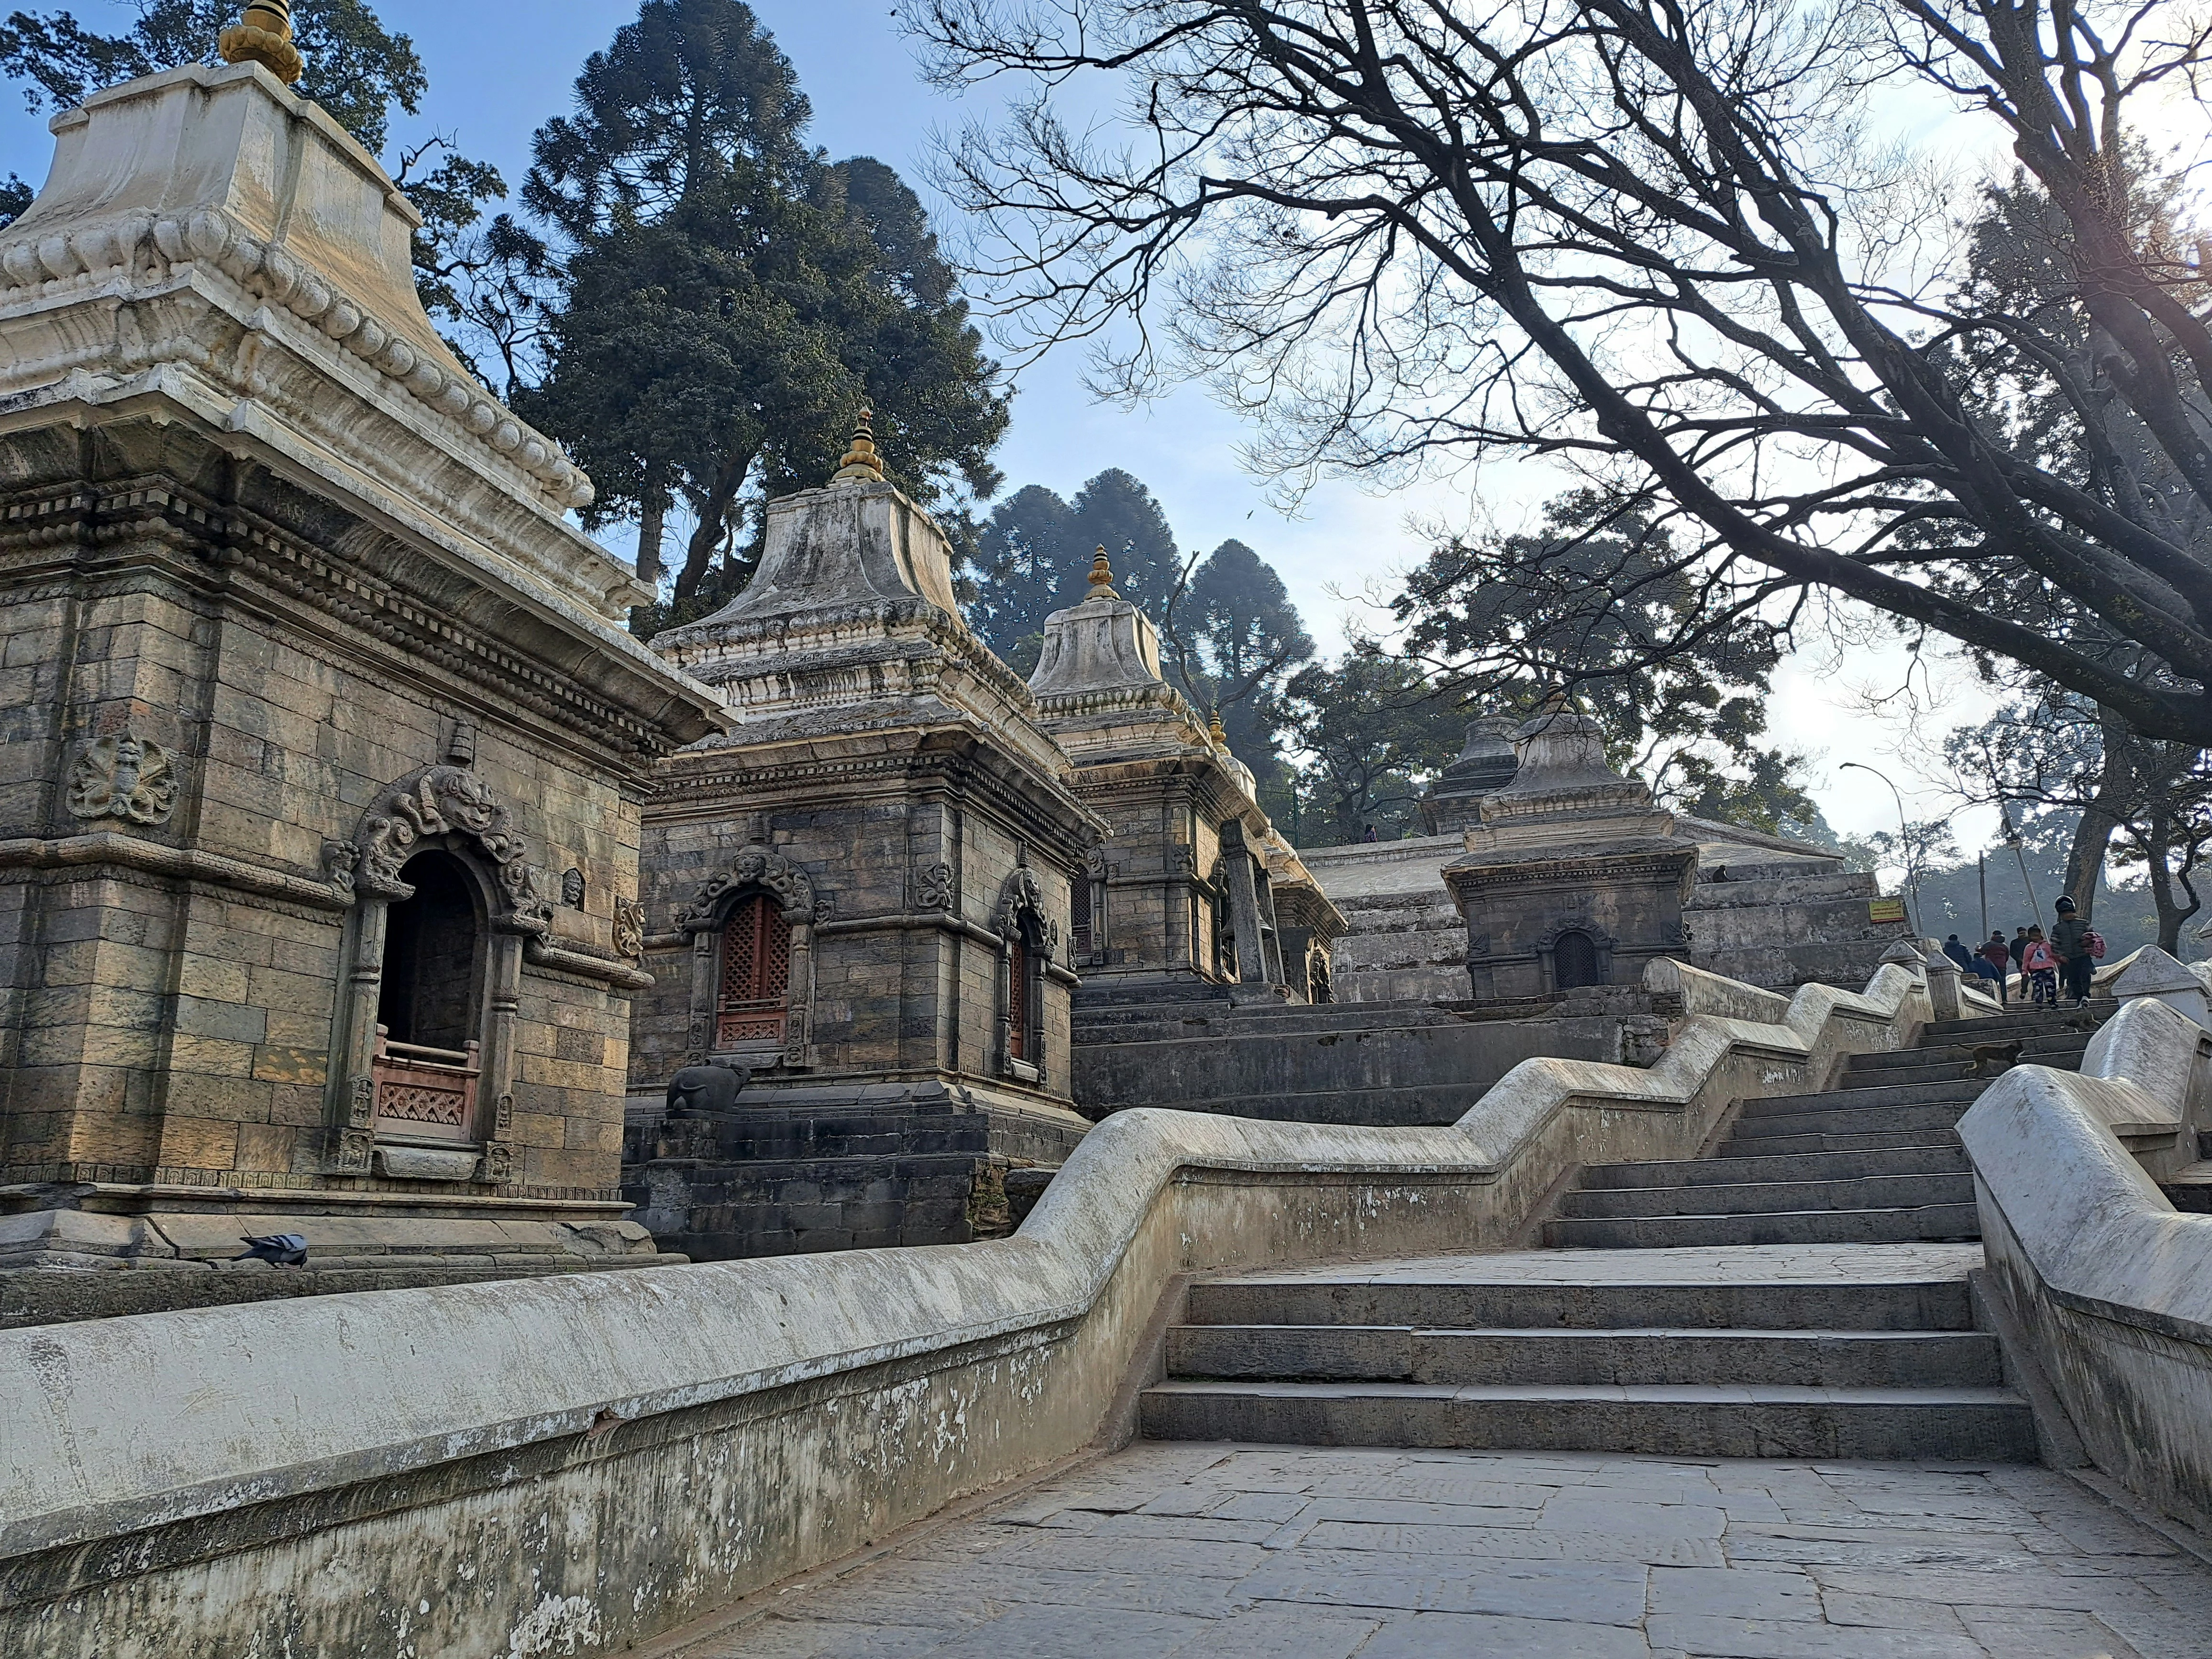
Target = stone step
(1912,1224)
(1898,1077)
(2042,1049)
(1941,1114)
(1764,1421)
(1935,1159)
(1413,1107)
(2005,1027)
(1798,1144)
(1626,1358)
(1963,1090)
(1891,1191)
(1598,1302)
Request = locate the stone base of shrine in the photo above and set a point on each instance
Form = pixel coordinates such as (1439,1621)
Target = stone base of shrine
(91,1249)
(802,1167)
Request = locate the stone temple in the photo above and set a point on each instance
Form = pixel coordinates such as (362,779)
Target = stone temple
(366,880)
(1547,873)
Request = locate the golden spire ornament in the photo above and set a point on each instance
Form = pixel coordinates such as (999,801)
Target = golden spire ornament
(860,464)
(1102,579)
(263,36)
(1213,730)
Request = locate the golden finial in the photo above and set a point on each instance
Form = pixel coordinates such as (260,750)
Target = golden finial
(1213,730)
(860,464)
(1102,578)
(263,36)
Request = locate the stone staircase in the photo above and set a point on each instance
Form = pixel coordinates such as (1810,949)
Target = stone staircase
(1800,1291)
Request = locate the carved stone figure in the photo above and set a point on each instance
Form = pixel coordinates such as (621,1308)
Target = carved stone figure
(340,858)
(630,928)
(571,888)
(124,777)
(935,891)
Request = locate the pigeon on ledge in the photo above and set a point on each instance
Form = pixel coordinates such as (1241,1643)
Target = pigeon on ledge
(283,1249)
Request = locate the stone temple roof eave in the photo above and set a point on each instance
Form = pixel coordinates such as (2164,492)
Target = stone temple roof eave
(658,692)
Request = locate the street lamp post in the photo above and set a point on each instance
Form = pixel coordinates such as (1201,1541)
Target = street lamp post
(1905,841)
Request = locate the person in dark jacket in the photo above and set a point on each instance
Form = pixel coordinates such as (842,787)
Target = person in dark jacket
(1959,954)
(2069,942)
(1998,955)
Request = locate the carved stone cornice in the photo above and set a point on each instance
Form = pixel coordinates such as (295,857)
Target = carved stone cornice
(62,256)
(235,550)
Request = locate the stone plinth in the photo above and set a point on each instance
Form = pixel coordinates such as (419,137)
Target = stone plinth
(307,682)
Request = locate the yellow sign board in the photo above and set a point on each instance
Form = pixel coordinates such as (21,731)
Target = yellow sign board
(1889,909)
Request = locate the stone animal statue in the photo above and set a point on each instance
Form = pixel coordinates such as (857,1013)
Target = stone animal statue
(705,1089)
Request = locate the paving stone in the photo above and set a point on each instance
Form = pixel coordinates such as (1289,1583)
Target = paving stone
(1600,1593)
(1735,1592)
(2049,1636)
(1285,1633)
(1058,1633)
(1713,1636)
(1461,1636)
(1157,1572)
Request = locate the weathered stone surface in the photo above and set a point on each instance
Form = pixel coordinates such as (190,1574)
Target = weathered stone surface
(1383,1552)
(282,597)
(529,1432)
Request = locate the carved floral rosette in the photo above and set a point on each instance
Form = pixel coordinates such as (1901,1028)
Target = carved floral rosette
(446,800)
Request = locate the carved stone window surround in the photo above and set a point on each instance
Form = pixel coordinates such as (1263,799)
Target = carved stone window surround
(445,807)
(758,868)
(1021,922)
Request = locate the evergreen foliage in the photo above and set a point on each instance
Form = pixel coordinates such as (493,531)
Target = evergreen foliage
(726,300)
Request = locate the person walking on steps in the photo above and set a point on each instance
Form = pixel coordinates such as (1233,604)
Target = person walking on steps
(1999,957)
(2076,945)
(2038,968)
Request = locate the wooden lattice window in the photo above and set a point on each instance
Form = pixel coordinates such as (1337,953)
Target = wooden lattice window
(756,988)
(1017,1000)
(1573,960)
(1079,916)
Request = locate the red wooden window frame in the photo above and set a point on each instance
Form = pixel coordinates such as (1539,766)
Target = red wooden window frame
(1017,1000)
(755,993)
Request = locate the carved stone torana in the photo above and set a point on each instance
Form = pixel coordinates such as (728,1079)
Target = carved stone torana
(124,777)
(442,800)
(1021,894)
(755,867)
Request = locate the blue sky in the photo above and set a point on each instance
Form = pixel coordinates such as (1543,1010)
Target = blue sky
(497,70)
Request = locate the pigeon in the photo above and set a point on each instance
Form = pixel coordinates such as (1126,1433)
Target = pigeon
(281,1249)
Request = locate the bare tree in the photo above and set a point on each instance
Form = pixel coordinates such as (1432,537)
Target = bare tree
(1649,237)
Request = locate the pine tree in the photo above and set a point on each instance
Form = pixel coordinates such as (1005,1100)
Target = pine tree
(731,299)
